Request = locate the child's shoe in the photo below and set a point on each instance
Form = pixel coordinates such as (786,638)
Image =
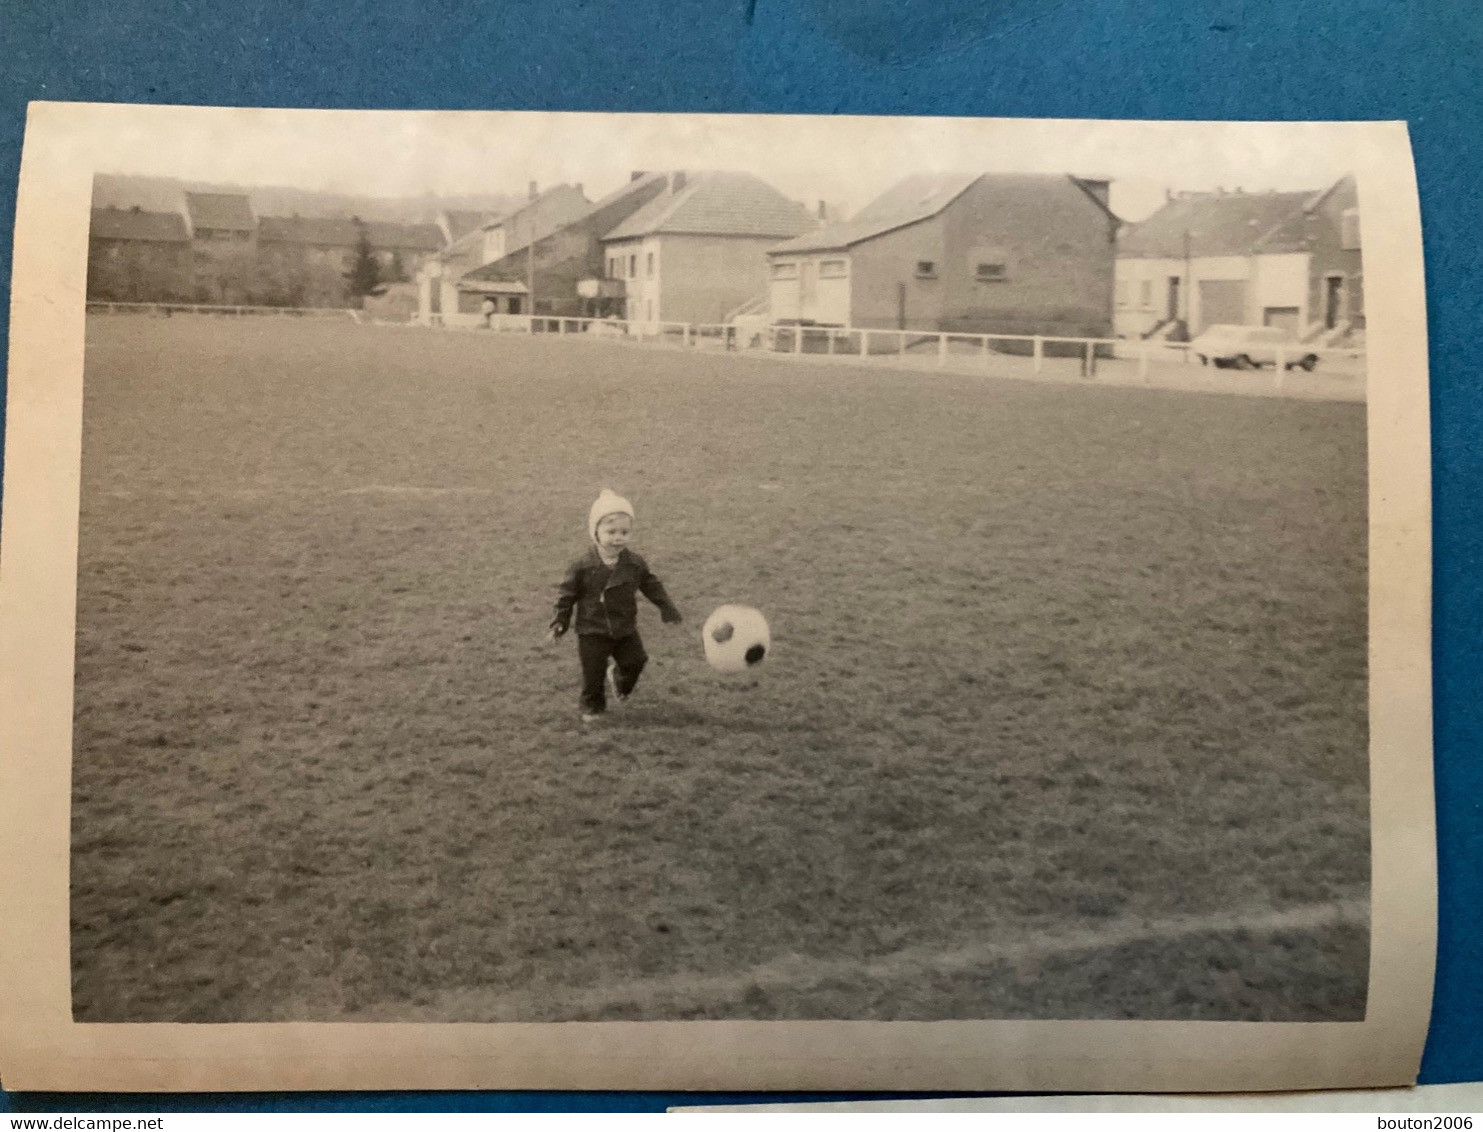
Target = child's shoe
(591,716)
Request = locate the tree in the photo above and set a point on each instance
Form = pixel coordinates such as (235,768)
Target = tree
(365,271)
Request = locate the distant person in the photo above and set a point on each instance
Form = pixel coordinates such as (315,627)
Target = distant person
(601,588)
(488,309)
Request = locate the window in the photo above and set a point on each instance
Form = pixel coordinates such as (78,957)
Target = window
(612,268)
(785,271)
(992,273)
(1122,292)
(1349,230)
(833,269)
(649,267)
(926,269)
(1145,293)
(633,266)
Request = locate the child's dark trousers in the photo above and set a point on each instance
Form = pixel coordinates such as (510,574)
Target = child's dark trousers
(594,650)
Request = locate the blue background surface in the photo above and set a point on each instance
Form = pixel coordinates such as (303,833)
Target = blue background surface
(1191,59)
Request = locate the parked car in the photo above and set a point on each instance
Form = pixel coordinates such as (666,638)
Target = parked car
(1246,347)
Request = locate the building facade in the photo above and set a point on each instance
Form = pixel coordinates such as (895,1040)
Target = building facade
(136,256)
(1257,259)
(698,250)
(560,262)
(1007,254)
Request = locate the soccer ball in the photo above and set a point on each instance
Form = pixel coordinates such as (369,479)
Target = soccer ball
(736,638)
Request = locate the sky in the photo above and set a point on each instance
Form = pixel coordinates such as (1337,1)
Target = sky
(843,160)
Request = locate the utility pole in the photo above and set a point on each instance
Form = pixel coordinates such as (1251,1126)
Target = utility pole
(1189,283)
(530,253)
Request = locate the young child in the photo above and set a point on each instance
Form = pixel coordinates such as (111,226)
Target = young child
(602,588)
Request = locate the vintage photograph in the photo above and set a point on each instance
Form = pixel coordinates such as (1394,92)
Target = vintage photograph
(605,575)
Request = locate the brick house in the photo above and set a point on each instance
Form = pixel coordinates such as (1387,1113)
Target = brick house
(136,256)
(1289,259)
(567,262)
(698,249)
(971,253)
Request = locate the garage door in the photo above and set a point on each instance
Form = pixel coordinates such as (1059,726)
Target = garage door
(1222,301)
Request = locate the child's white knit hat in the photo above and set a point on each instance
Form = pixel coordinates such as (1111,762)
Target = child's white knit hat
(608,503)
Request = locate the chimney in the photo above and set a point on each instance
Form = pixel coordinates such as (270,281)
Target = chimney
(676,181)
(823,211)
(579,189)
(532,191)
(637,174)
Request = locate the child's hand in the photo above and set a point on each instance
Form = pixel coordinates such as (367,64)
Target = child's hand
(555,633)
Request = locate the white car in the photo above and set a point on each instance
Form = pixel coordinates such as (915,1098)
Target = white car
(1246,347)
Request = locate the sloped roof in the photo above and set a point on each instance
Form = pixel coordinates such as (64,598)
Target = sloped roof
(323,231)
(462,221)
(910,200)
(1218,224)
(231,211)
(513,263)
(136,224)
(718,204)
(1297,232)
(633,185)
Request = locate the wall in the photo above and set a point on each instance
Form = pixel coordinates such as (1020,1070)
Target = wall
(882,266)
(810,296)
(1330,257)
(702,279)
(1279,281)
(636,288)
(1057,245)
(1135,316)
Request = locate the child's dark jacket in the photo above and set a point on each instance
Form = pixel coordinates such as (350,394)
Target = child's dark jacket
(605,598)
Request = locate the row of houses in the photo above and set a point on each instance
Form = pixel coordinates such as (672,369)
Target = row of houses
(969,253)
(215,249)
(987,253)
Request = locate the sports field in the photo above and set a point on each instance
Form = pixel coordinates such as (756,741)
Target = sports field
(1064,718)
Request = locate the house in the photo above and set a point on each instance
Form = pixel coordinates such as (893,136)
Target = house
(438,280)
(223,242)
(136,256)
(1288,259)
(970,253)
(220,217)
(698,249)
(456,223)
(567,265)
(399,249)
(1326,230)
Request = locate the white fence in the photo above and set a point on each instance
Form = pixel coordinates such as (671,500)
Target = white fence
(1129,359)
(940,349)
(167,309)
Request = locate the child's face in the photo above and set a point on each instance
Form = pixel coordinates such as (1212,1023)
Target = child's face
(613,532)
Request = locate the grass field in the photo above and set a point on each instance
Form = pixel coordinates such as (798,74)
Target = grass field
(1065,715)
